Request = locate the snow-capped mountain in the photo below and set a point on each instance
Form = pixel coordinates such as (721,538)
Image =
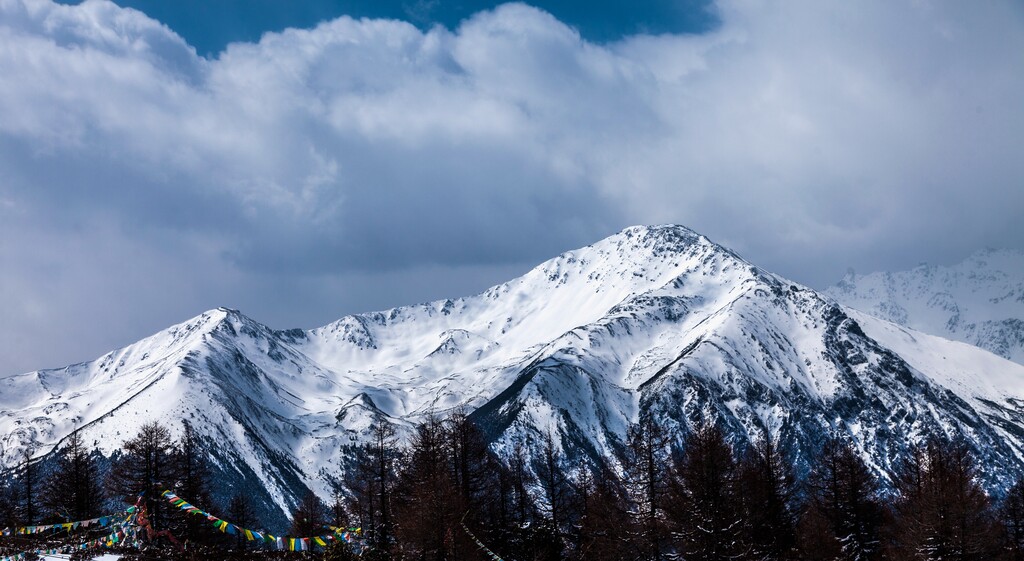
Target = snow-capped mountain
(655,320)
(978,301)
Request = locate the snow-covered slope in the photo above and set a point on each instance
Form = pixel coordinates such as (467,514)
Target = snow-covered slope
(979,301)
(654,320)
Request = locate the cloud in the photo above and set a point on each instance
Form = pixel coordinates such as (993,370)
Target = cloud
(808,136)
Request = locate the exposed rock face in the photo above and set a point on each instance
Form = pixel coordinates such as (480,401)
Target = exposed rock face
(654,320)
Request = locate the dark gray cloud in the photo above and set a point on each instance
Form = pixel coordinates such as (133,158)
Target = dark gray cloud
(365,164)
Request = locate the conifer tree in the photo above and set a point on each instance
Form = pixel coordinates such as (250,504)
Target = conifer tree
(340,551)
(146,463)
(515,510)
(475,473)
(309,517)
(552,535)
(602,505)
(8,501)
(240,513)
(72,490)
(704,508)
(371,480)
(338,516)
(941,512)
(28,505)
(193,483)
(647,479)
(425,522)
(1011,514)
(845,502)
(520,480)
(767,491)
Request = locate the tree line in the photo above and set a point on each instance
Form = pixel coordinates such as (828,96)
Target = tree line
(700,501)
(75,485)
(445,496)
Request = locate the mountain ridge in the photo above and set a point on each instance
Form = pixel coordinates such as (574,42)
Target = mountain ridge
(979,301)
(650,321)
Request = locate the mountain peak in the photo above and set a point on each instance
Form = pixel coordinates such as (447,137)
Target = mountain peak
(659,240)
(979,301)
(651,320)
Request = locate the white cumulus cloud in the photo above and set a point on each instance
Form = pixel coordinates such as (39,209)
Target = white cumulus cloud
(363,163)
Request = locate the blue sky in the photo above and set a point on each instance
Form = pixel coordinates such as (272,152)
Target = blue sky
(303,165)
(209,25)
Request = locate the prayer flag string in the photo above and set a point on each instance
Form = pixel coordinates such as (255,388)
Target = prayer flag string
(344,535)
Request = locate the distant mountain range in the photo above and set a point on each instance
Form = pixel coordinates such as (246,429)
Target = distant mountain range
(979,301)
(656,320)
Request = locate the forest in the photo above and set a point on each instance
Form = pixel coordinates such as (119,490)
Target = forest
(444,495)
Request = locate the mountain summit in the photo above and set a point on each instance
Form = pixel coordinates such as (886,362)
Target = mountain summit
(653,321)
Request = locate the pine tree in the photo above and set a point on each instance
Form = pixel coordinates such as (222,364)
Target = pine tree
(844,495)
(515,510)
(520,479)
(705,509)
(339,551)
(28,507)
(72,490)
(8,501)
(474,472)
(338,516)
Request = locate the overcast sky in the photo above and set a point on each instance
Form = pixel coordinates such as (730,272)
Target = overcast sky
(153,167)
